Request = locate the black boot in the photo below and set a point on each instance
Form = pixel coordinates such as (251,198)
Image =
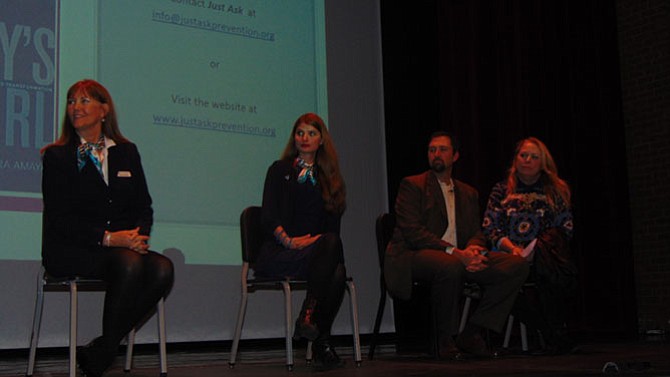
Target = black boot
(305,325)
(324,355)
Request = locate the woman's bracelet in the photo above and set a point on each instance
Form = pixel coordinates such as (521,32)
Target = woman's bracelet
(286,241)
(108,239)
(282,237)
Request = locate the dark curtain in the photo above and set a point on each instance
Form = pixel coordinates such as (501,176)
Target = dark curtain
(495,71)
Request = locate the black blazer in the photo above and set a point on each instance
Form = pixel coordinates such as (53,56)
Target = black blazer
(79,207)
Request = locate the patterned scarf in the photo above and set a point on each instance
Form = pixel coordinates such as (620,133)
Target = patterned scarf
(86,149)
(307,172)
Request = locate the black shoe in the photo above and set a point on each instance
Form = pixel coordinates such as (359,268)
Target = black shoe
(305,327)
(500,353)
(325,357)
(85,364)
(473,345)
(560,344)
(93,359)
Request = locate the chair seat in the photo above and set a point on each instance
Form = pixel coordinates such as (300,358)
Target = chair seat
(274,280)
(250,231)
(73,285)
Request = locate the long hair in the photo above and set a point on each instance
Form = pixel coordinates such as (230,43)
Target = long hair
(554,186)
(110,126)
(328,174)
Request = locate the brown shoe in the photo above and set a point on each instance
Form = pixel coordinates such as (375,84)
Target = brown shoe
(447,349)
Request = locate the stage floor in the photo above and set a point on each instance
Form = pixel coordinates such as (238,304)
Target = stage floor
(623,359)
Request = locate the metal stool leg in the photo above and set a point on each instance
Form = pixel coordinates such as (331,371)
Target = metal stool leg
(240,321)
(508,331)
(160,317)
(466,313)
(162,337)
(130,340)
(378,322)
(73,329)
(37,322)
(308,352)
(523,333)
(524,337)
(288,325)
(353,305)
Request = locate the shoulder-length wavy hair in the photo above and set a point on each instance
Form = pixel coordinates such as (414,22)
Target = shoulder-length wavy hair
(110,125)
(328,169)
(554,186)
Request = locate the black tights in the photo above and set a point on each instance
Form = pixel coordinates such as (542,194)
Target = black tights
(326,280)
(135,284)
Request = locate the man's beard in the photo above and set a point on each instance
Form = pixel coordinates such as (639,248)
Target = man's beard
(438,166)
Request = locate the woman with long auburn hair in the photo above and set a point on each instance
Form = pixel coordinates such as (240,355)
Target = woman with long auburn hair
(97,219)
(303,201)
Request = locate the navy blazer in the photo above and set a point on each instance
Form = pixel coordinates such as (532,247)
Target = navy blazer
(79,207)
(279,199)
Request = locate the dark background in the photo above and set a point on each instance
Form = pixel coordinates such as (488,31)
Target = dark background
(494,72)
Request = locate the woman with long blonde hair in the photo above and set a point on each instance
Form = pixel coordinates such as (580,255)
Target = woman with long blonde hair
(529,214)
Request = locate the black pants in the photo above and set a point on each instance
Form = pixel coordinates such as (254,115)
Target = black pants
(500,284)
(135,284)
(545,305)
(326,280)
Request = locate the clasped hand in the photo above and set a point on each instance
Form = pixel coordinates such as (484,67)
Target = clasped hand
(473,258)
(302,242)
(130,239)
